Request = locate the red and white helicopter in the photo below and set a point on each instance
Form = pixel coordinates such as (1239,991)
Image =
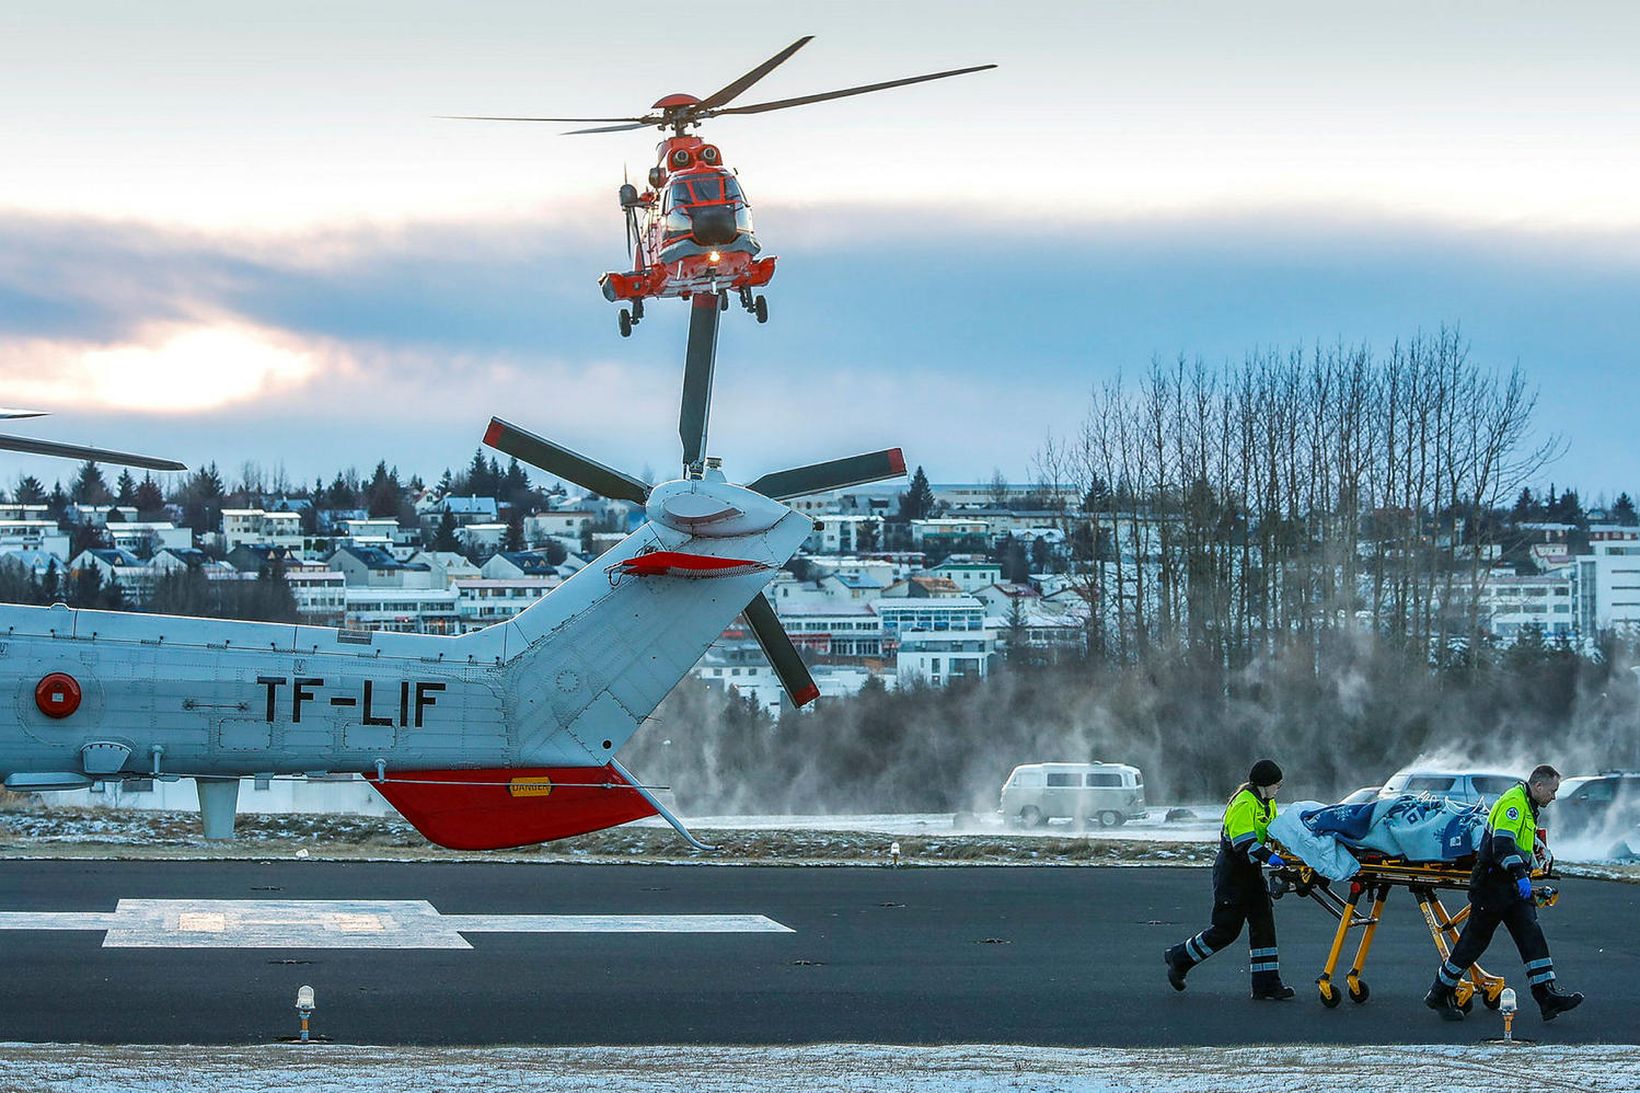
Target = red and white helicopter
(690,231)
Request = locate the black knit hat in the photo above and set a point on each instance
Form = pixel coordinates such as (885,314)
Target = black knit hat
(1264,773)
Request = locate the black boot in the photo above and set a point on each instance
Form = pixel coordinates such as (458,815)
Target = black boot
(1272,992)
(1176,968)
(1551,1003)
(1444,1001)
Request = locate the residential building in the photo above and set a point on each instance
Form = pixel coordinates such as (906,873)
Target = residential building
(936,615)
(969,577)
(403,610)
(568,524)
(260,527)
(482,601)
(374,567)
(1510,603)
(937,658)
(145,538)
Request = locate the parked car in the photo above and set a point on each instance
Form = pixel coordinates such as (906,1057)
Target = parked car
(1109,793)
(1362,796)
(1608,801)
(1467,787)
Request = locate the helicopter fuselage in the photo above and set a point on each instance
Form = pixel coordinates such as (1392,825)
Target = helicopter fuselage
(691,229)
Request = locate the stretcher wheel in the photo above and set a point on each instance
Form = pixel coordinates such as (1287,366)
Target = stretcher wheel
(1329,995)
(1359,992)
(1468,1005)
(1492,1000)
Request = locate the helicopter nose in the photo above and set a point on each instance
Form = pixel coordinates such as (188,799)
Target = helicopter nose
(714,225)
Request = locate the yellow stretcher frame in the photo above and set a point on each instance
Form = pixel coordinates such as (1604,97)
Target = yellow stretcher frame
(1375,879)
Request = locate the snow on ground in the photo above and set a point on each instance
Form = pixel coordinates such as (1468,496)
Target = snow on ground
(821,1068)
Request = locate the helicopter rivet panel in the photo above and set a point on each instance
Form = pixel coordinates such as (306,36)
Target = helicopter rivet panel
(712,509)
(58,695)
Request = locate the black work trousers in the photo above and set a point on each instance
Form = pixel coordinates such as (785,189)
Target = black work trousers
(1239,898)
(1488,909)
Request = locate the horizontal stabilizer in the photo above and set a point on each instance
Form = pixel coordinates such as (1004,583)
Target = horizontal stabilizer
(563,463)
(674,563)
(783,657)
(500,808)
(854,470)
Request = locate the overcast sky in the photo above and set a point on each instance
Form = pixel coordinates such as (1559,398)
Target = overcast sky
(239,233)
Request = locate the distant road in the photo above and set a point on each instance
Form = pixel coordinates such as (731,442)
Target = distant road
(1053,956)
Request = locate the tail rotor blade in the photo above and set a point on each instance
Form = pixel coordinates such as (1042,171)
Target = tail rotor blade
(562,463)
(79,451)
(777,646)
(835,474)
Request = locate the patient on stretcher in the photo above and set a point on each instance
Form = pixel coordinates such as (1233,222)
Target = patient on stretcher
(1407,827)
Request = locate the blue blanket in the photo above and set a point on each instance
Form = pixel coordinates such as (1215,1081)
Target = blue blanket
(1423,829)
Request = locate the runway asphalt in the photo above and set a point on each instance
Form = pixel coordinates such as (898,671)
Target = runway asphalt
(1019,955)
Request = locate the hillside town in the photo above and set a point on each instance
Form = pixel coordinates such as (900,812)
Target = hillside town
(921,585)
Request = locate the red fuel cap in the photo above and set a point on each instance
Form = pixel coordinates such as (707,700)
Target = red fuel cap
(57,695)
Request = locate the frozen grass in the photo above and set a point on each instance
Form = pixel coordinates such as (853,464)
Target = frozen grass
(101,833)
(826,1068)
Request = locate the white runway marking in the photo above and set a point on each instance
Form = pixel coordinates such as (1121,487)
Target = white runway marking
(344,924)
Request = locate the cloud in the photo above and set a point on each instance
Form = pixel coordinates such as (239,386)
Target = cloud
(962,334)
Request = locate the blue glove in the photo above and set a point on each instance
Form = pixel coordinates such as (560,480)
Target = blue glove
(1523,887)
(1275,862)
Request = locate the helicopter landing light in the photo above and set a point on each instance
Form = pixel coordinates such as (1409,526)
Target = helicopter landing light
(714,256)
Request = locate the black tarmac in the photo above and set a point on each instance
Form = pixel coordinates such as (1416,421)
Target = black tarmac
(1067,956)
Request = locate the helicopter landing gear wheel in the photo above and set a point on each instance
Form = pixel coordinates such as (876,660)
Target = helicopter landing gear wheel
(760,307)
(624,321)
(723,301)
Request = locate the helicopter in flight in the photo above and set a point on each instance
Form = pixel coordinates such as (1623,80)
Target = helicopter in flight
(690,231)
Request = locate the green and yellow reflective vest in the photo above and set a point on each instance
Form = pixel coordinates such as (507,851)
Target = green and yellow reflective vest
(1247,825)
(1511,830)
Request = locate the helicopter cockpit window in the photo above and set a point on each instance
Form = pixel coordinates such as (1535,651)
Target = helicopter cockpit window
(731,189)
(680,194)
(708,189)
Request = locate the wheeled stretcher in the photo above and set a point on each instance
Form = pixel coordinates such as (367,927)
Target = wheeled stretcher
(1370,887)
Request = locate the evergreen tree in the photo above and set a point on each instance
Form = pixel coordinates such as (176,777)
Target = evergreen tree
(1623,511)
(202,500)
(515,485)
(1525,505)
(867,536)
(149,500)
(555,551)
(917,503)
(57,503)
(29,491)
(514,537)
(383,496)
(89,487)
(125,492)
(445,484)
(445,538)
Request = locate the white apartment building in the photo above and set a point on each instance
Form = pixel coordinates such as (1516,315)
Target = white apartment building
(1606,583)
(1511,603)
(482,602)
(841,629)
(937,658)
(969,577)
(567,525)
(926,534)
(320,593)
(402,610)
(146,538)
(31,536)
(936,615)
(840,534)
(258,527)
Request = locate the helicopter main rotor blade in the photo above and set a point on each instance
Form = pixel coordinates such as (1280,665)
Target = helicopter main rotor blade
(804,100)
(700,357)
(560,461)
(9,412)
(724,95)
(777,646)
(612,128)
(854,470)
(78,451)
(488,117)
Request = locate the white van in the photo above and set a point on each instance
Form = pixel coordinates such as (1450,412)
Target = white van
(1109,793)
